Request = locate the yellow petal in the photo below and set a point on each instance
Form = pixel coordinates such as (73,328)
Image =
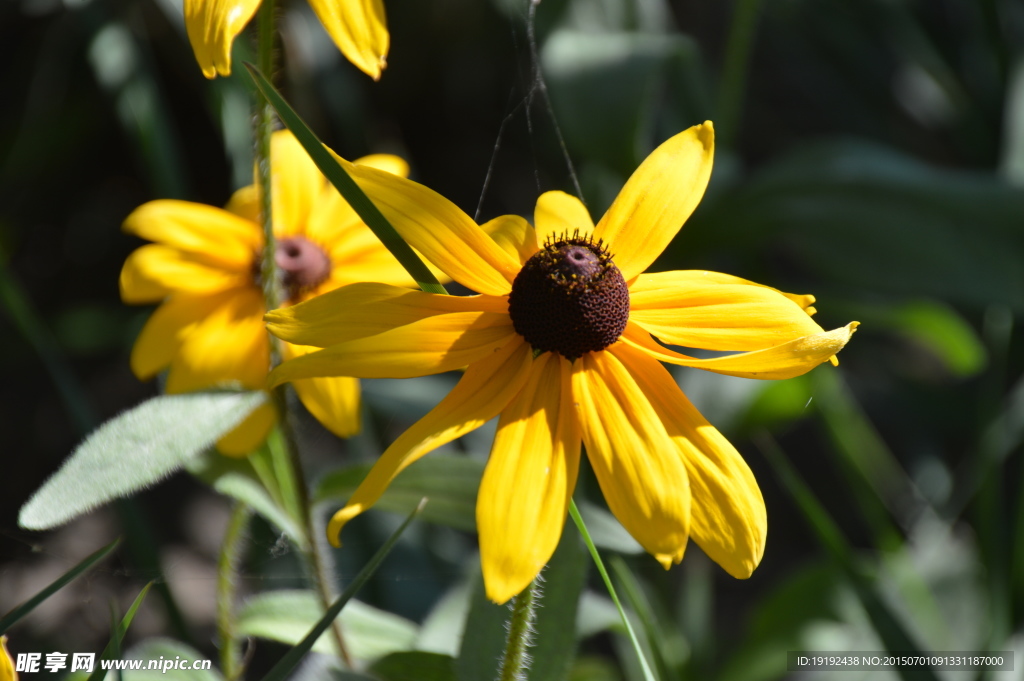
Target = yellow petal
(7,672)
(250,433)
(229,345)
(637,465)
(358,29)
(297,183)
(728,519)
(790,359)
(158,343)
(366,309)
(559,214)
(438,229)
(529,479)
(154,271)
(514,234)
(698,309)
(483,391)
(396,165)
(429,346)
(245,203)
(334,402)
(657,199)
(212,26)
(220,237)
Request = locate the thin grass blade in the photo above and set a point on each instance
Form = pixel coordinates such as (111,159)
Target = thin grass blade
(113,649)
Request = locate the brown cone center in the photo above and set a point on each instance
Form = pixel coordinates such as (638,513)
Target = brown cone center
(303,264)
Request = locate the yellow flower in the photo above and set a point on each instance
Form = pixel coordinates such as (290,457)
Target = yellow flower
(204,268)
(559,344)
(7,672)
(356,26)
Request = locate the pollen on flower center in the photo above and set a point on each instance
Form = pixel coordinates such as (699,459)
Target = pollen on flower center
(569,298)
(303,264)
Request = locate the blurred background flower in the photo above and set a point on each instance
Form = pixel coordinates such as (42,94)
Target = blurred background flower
(869,151)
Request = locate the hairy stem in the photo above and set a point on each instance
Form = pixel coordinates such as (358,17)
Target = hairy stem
(227,572)
(516,661)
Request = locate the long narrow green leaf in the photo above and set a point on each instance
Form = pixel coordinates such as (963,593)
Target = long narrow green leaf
(890,630)
(113,649)
(28,606)
(578,519)
(291,659)
(348,188)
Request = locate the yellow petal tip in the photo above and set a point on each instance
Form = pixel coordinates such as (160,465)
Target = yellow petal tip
(339,520)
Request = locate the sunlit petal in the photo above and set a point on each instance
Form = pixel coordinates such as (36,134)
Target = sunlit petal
(727,513)
(250,433)
(514,234)
(559,214)
(529,479)
(790,359)
(358,29)
(637,464)
(366,309)
(212,26)
(154,271)
(297,184)
(160,338)
(217,235)
(335,402)
(483,391)
(699,309)
(657,199)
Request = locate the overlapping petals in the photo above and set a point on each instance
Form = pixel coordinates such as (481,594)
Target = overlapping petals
(357,27)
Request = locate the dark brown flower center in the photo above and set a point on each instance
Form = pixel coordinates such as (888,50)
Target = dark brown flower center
(569,298)
(303,264)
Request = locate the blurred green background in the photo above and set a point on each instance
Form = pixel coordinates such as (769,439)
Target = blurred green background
(870,152)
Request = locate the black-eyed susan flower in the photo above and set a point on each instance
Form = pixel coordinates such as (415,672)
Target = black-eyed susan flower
(204,270)
(356,26)
(560,345)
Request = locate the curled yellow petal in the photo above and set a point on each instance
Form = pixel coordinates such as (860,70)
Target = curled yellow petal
(212,26)
(728,519)
(529,479)
(699,309)
(788,360)
(359,30)
(480,395)
(637,465)
(658,198)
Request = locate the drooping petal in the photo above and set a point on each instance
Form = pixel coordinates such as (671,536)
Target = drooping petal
(559,214)
(637,465)
(334,402)
(154,271)
(229,345)
(728,519)
(297,184)
(366,309)
(698,309)
(483,391)
(787,360)
(514,234)
(439,230)
(212,26)
(657,199)
(358,29)
(250,433)
(529,479)
(429,346)
(160,338)
(221,237)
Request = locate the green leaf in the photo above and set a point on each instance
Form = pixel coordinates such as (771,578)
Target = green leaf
(554,642)
(113,649)
(347,187)
(163,650)
(450,482)
(291,659)
(286,616)
(28,606)
(415,666)
(483,640)
(249,491)
(135,450)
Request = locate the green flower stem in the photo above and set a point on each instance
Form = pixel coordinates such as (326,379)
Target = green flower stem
(295,491)
(734,71)
(515,662)
(227,571)
(578,519)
